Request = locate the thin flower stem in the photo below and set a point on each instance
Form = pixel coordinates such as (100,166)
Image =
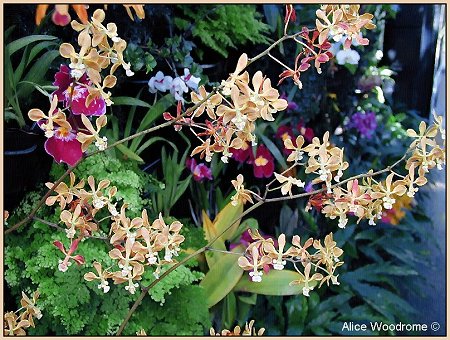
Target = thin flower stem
(223,251)
(279,62)
(305,45)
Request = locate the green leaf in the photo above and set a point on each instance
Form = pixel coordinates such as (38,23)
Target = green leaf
(18,44)
(130,101)
(156,111)
(154,140)
(249,223)
(274,150)
(130,154)
(229,310)
(210,232)
(152,114)
(38,48)
(37,72)
(248,299)
(276,282)
(224,219)
(222,277)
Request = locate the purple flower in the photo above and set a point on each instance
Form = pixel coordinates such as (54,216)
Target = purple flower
(199,171)
(309,187)
(365,123)
(292,106)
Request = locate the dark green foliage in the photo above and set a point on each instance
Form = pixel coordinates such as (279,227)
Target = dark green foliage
(222,27)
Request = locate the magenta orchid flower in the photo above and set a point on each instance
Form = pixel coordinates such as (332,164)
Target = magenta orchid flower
(199,171)
(244,154)
(74,96)
(263,165)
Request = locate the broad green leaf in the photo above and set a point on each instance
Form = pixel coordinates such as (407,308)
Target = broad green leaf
(276,282)
(130,101)
(250,299)
(229,310)
(152,114)
(130,154)
(210,232)
(36,86)
(157,110)
(222,277)
(225,218)
(249,223)
(22,42)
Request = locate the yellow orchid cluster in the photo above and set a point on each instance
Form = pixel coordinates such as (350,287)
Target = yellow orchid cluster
(346,22)
(234,111)
(100,47)
(263,252)
(14,324)
(136,242)
(248,330)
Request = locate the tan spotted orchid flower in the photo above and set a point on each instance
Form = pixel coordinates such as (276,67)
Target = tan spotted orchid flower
(236,77)
(287,183)
(209,105)
(65,193)
(242,195)
(54,116)
(103,276)
(254,263)
(87,139)
(306,280)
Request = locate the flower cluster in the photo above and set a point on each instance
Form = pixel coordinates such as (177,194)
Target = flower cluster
(366,198)
(324,159)
(249,330)
(365,123)
(14,324)
(263,251)
(338,22)
(82,91)
(370,198)
(137,244)
(61,15)
(346,22)
(233,112)
(177,86)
